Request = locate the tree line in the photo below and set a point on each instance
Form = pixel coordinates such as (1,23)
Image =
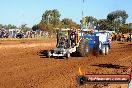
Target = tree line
(9,26)
(51,22)
(115,21)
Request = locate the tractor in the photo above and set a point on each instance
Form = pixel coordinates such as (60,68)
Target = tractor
(81,42)
(67,43)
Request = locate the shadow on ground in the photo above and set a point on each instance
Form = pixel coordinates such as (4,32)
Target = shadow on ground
(121,43)
(110,66)
(75,54)
(43,53)
(130,44)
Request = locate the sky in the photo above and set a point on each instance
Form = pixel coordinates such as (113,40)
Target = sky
(30,12)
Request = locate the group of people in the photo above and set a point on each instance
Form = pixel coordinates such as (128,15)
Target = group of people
(121,37)
(5,33)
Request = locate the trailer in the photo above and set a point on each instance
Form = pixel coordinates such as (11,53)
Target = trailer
(99,42)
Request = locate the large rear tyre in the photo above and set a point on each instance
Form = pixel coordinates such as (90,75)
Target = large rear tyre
(95,50)
(83,48)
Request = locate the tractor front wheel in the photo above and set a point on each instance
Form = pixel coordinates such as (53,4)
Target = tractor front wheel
(49,54)
(68,55)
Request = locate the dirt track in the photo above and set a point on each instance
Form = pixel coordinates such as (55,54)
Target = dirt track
(23,65)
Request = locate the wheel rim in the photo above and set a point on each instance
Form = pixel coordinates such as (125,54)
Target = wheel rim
(103,50)
(68,55)
(107,49)
(49,54)
(100,45)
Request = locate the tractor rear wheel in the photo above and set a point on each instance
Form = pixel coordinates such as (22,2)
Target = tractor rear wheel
(83,48)
(95,50)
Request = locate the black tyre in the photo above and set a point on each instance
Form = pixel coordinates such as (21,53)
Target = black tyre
(83,48)
(96,50)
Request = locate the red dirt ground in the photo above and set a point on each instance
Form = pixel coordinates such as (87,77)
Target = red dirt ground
(23,65)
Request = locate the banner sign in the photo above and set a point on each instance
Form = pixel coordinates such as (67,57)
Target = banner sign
(105,78)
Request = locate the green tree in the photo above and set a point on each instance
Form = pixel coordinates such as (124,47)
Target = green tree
(50,20)
(130,25)
(69,23)
(1,26)
(117,18)
(35,27)
(66,22)
(42,26)
(125,28)
(46,17)
(103,24)
(10,26)
(91,21)
(55,18)
(24,28)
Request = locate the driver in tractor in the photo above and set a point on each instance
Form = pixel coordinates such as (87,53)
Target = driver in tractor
(63,42)
(73,37)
